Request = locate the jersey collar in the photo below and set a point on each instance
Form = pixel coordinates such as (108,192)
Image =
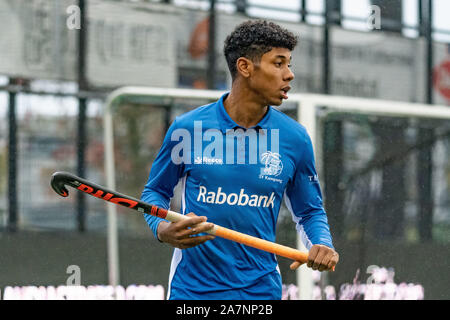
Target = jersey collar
(226,123)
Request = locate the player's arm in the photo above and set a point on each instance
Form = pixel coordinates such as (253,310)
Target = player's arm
(304,199)
(164,176)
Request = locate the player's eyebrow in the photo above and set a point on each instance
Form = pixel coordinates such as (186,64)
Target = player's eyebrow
(283,57)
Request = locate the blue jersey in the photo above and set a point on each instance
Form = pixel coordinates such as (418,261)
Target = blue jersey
(238,178)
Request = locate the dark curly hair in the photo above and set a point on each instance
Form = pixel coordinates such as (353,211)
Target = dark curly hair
(251,39)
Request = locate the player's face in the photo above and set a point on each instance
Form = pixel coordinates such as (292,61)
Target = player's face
(272,75)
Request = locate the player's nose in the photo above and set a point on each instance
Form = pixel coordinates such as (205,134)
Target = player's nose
(289,76)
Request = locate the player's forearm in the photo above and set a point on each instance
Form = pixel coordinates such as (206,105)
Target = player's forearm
(153,222)
(317,229)
(157,199)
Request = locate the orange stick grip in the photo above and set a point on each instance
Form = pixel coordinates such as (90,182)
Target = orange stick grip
(261,244)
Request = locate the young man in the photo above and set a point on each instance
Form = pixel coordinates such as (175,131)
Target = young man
(237,160)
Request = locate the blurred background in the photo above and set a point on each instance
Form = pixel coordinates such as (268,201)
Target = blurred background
(386,180)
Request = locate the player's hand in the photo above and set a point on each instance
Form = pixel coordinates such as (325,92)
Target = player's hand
(183,234)
(320,258)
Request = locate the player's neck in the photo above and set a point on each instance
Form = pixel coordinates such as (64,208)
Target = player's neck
(243,108)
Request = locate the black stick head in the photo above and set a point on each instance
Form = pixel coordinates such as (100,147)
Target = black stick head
(58,182)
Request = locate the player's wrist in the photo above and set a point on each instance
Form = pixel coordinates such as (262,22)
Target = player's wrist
(160,230)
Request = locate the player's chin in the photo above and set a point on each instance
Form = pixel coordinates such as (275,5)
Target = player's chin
(276,101)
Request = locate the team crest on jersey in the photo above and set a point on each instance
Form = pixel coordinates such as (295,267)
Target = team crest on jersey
(273,166)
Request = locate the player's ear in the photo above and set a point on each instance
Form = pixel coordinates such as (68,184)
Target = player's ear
(244,67)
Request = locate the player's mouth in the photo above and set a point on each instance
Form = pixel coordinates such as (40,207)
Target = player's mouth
(284,92)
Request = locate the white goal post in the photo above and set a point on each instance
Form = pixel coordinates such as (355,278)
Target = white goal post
(307,108)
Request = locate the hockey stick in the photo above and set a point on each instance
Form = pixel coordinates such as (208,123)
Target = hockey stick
(61,179)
